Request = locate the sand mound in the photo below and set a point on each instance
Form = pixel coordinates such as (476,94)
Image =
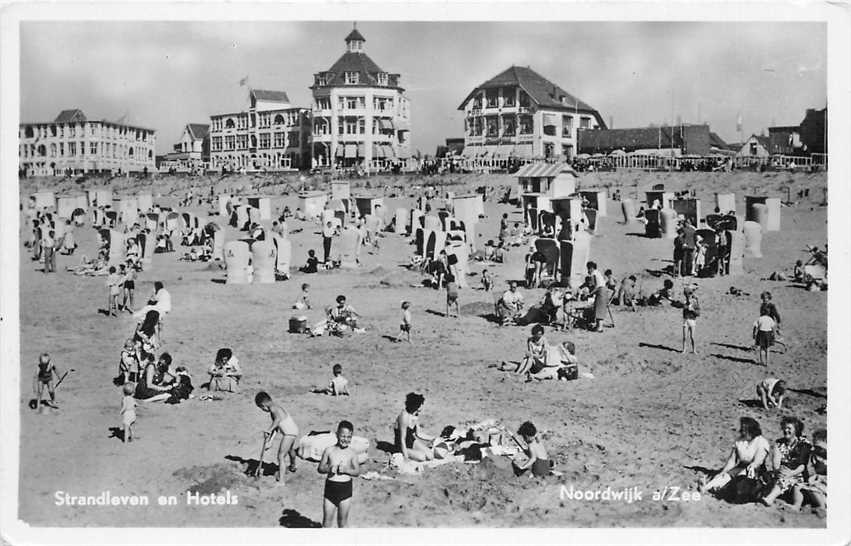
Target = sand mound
(212,479)
(477,308)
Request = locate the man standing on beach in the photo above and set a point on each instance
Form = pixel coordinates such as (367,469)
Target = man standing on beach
(327,233)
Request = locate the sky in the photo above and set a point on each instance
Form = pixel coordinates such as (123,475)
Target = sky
(163,75)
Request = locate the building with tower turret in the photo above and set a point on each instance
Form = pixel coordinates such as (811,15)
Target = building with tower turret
(361,116)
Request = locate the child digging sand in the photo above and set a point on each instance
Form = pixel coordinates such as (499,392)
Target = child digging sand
(771,392)
(405,326)
(339,463)
(128,411)
(282,423)
(43,379)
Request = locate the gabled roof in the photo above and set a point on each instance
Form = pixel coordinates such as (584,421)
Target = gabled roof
(198,131)
(543,92)
(764,141)
(70,116)
(355,35)
(716,141)
(270,96)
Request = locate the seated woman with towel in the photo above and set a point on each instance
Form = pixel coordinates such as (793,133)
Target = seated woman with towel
(409,441)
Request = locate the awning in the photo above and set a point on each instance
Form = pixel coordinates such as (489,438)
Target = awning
(550,119)
(541,169)
(385,124)
(361,150)
(340,151)
(388,151)
(351,151)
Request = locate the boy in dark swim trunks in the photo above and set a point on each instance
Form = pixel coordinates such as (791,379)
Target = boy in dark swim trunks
(452,296)
(339,462)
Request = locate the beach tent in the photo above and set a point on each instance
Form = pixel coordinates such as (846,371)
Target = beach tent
(772,210)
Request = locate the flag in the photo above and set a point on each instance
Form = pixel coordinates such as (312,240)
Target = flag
(243,81)
(739,123)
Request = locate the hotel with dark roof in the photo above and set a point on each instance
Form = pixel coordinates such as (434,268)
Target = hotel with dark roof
(519,113)
(361,115)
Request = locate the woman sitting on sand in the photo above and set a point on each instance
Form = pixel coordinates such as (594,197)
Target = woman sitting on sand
(746,461)
(151,387)
(409,441)
(789,457)
(224,372)
(146,331)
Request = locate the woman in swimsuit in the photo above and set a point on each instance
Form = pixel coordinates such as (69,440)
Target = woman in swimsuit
(411,443)
(149,388)
(339,462)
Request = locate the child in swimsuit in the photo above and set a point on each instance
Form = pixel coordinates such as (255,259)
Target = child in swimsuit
(405,326)
(537,459)
(128,411)
(339,462)
(44,378)
(771,392)
(452,296)
(282,423)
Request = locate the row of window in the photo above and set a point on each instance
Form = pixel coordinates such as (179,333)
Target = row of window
(495,98)
(261,119)
(265,141)
(105,149)
(348,126)
(494,126)
(79,130)
(353,78)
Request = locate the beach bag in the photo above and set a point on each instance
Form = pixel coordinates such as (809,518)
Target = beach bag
(742,490)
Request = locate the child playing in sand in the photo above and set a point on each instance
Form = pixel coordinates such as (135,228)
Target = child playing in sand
(282,423)
(303,301)
(536,454)
(128,411)
(338,386)
(43,379)
(771,392)
(312,265)
(814,488)
(405,326)
(339,463)
(128,365)
(452,296)
(487,281)
(113,284)
(691,310)
(763,335)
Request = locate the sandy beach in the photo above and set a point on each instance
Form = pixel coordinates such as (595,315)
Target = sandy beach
(651,418)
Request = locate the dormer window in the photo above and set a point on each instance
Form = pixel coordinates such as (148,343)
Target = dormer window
(321,80)
(382,79)
(352,78)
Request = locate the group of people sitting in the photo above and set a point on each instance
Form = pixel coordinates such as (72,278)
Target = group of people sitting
(793,468)
(412,444)
(338,321)
(543,361)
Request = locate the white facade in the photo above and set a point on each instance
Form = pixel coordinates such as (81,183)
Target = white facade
(271,135)
(72,144)
(360,115)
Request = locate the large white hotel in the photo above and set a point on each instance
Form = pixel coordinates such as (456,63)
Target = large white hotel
(72,144)
(361,116)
